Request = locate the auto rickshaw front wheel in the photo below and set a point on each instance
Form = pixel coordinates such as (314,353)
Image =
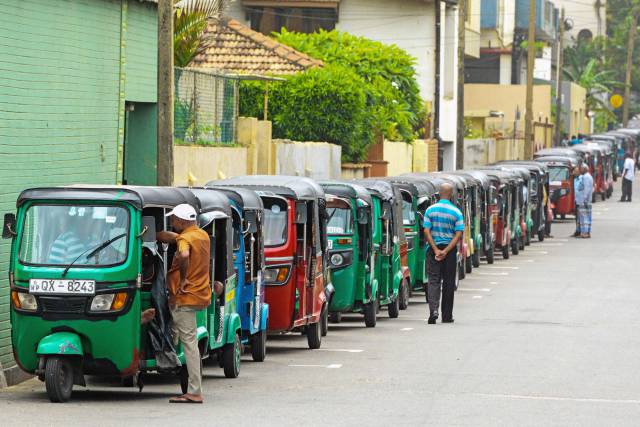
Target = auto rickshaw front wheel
(468,264)
(404,295)
(515,247)
(394,308)
(370,310)
(314,335)
(490,255)
(231,358)
(324,320)
(505,252)
(475,259)
(58,378)
(541,235)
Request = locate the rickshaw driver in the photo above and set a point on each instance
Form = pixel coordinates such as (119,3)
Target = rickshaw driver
(71,244)
(189,290)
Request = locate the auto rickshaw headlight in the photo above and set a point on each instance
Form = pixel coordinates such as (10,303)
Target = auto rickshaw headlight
(24,301)
(109,302)
(337,260)
(276,275)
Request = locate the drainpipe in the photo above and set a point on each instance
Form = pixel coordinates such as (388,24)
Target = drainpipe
(436,103)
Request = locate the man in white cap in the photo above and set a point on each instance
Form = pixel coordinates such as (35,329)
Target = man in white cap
(189,290)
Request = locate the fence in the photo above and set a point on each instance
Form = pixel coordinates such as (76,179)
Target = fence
(206,108)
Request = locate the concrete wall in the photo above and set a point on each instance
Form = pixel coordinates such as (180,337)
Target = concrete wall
(197,165)
(317,160)
(391,158)
(574,109)
(355,170)
(67,69)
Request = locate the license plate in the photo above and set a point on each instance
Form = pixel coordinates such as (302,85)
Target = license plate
(62,286)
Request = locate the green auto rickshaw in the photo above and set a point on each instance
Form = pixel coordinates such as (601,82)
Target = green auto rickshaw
(417,195)
(350,244)
(389,244)
(474,201)
(85,264)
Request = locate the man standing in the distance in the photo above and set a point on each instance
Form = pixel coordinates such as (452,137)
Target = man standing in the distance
(443,227)
(628,174)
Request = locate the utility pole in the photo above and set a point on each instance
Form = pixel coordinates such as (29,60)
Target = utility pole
(627,80)
(165,93)
(559,79)
(531,51)
(462,21)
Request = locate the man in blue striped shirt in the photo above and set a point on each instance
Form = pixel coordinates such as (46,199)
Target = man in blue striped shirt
(443,227)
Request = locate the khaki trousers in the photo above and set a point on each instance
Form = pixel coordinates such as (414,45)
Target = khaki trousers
(184,331)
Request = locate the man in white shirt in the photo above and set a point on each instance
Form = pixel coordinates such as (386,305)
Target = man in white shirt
(628,173)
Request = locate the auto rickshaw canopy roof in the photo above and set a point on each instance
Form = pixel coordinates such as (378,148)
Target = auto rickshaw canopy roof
(137,196)
(532,165)
(210,200)
(435,179)
(558,152)
(570,162)
(378,187)
(419,188)
(296,187)
(246,199)
(480,176)
(346,189)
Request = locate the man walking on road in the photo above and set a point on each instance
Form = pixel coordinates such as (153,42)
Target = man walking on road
(189,290)
(584,209)
(578,194)
(443,227)
(628,174)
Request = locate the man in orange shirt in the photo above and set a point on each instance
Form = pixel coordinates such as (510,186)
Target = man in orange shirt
(189,290)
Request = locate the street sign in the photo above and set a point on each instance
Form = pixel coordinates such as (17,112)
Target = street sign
(616,101)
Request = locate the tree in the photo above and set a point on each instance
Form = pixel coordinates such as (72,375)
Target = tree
(190,20)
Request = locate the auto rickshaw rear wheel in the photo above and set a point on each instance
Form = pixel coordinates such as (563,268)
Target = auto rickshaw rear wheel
(58,378)
(394,308)
(563,216)
(231,358)
(475,259)
(335,317)
(522,243)
(259,346)
(490,255)
(403,293)
(528,239)
(515,247)
(540,235)
(505,252)
(370,318)
(314,335)
(324,320)
(468,265)
(461,270)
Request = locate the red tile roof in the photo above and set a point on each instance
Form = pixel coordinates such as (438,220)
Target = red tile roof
(236,48)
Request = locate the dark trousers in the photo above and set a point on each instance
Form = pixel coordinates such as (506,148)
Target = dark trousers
(626,189)
(442,275)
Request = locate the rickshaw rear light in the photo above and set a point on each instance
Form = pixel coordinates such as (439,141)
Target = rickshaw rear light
(119,301)
(343,241)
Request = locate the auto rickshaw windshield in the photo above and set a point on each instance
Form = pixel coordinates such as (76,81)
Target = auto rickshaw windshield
(408,213)
(339,217)
(558,173)
(84,235)
(275,221)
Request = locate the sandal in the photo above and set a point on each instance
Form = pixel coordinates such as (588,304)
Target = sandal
(184,399)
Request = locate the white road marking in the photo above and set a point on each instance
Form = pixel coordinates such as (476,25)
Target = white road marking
(560,398)
(342,350)
(493,283)
(501,267)
(555,240)
(481,273)
(406,329)
(477,297)
(474,289)
(537,252)
(332,366)
(549,244)
(522,260)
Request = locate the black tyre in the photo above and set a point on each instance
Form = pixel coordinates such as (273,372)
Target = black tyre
(335,317)
(505,252)
(475,260)
(259,346)
(394,308)
(515,247)
(324,320)
(58,378)
(562,216)
(461,271)
(231,358)
(522,243)
(370,318)
(314,335)
(527,242)
(404,295)
(491,255)
(541,235)
(468,265)
(604,196)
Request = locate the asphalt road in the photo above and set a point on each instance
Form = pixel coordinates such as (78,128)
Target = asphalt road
(545,338)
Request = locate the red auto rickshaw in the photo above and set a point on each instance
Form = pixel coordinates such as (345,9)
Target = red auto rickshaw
(561,192)
(295,246)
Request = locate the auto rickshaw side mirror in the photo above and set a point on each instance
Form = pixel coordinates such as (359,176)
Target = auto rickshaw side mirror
(148,232)
(301,213)
(363,216)
(9,226)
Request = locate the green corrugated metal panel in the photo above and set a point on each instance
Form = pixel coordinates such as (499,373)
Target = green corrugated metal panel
(142,53)
(60,98)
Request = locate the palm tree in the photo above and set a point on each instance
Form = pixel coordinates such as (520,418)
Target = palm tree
(597,83)
(190,20)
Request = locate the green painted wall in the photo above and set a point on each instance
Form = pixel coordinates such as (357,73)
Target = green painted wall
(67,68)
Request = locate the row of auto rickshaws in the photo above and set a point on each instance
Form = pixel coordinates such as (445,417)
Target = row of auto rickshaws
(288,254)
(604,154)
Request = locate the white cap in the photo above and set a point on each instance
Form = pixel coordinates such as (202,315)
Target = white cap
(184,211)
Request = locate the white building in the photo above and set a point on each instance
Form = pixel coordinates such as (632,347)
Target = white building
(589,18)
(409,24)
